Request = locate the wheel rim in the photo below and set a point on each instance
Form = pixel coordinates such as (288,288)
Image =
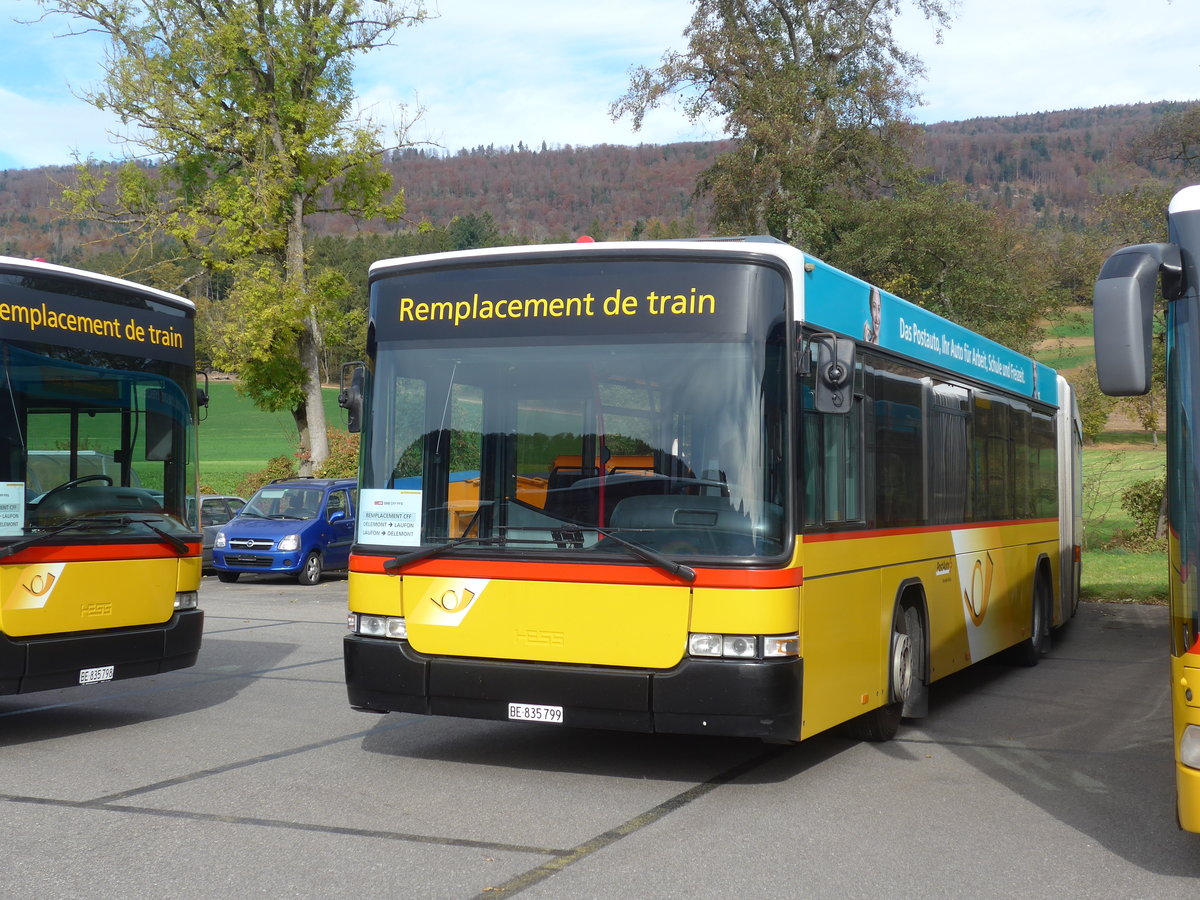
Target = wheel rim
(902,669)
(312,568)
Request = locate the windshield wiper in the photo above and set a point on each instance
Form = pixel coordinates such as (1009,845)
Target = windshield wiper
(180,546)
(679,570)
(92,523)
(79,524)
(426,552)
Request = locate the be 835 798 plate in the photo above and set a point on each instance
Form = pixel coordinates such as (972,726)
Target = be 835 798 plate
(97,675)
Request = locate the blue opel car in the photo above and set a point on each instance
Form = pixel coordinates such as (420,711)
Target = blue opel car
(297,526)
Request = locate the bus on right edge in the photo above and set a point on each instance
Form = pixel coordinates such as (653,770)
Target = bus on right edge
(1124,301)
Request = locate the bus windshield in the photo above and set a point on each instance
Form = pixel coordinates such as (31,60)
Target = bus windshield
(677,447)
(93,440)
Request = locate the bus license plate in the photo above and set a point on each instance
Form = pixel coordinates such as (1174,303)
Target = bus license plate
(95,676)
(528,712)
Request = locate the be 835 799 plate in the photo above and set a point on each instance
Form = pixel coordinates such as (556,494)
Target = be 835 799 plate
(529,712)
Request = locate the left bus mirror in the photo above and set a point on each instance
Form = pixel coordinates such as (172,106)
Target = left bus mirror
(1123,310)
(833,388)
(350,397)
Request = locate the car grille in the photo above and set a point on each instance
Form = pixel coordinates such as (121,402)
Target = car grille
(251,544)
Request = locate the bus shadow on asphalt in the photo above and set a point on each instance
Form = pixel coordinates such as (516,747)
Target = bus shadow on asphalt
(224,669)
(581,751)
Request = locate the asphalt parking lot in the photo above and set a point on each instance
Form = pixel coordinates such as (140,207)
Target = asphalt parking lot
(249,775)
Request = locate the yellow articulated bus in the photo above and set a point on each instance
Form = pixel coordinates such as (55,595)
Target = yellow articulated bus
(712,487)
(99,563)
(1124,303)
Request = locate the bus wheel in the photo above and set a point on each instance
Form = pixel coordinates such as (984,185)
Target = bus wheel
(227,577)
(310,573)
(904,667)
(1031,650)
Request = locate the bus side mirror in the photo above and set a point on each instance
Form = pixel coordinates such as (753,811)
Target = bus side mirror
(350,397)
(1123,313)
(833,386)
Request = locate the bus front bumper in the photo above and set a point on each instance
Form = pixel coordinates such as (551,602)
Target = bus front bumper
(56,661)
(698,696)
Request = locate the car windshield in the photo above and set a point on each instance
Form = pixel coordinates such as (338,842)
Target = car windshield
(279,502)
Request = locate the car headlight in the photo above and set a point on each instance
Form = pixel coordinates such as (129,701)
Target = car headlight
(291,542)
(219,540)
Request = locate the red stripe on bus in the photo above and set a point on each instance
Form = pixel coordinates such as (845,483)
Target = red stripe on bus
(98,553)
(582,573)
(919,529)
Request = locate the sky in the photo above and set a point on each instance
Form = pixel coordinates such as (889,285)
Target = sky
(533,71)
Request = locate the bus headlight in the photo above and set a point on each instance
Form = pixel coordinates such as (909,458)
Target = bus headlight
(394,627)
(743,646)
(289,543)
(1189,747)
(739,646)
(187,600)
(704,644)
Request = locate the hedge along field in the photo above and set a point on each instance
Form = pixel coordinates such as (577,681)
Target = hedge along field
(237,438)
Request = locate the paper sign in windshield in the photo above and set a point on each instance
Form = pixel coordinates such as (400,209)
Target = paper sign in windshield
(390,518)
(12,508)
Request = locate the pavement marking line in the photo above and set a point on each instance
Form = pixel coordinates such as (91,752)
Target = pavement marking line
(244,763)
(581,851)
(348,831)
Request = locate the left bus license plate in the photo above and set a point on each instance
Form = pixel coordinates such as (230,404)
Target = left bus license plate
(528,712)
(95,676)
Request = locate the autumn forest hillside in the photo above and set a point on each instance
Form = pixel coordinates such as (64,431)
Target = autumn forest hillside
(1049,168)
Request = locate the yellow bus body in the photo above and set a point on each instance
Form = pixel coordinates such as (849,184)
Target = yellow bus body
(85,595)
(975,581)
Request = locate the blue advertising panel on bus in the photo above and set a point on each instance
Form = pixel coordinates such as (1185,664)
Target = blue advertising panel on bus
(840,302)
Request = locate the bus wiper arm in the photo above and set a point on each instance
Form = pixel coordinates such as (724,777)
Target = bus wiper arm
(425,553)
(178,545)
(80,524)
(679,570)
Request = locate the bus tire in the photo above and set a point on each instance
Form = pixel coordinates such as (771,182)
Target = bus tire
(1030,651)
(905,666)
(310,572)
(227,577)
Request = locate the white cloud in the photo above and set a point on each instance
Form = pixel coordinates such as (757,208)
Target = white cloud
(488,72)
(1024,56)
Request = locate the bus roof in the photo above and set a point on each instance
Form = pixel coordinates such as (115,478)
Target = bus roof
(824,297)
(11,263)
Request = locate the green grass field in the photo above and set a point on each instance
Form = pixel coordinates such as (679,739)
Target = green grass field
(238,438)
(1113,573)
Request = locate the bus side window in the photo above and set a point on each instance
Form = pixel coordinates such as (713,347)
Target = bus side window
(832,461)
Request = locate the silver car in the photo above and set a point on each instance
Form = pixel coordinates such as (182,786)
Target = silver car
(215,511)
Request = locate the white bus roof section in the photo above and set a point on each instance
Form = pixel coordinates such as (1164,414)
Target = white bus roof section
(1187,200)
(35,266)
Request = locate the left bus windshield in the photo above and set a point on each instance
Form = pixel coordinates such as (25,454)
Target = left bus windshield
(91,439)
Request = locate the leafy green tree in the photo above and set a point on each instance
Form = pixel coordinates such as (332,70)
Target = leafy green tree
(245,107)
(931,246)
(814,93)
